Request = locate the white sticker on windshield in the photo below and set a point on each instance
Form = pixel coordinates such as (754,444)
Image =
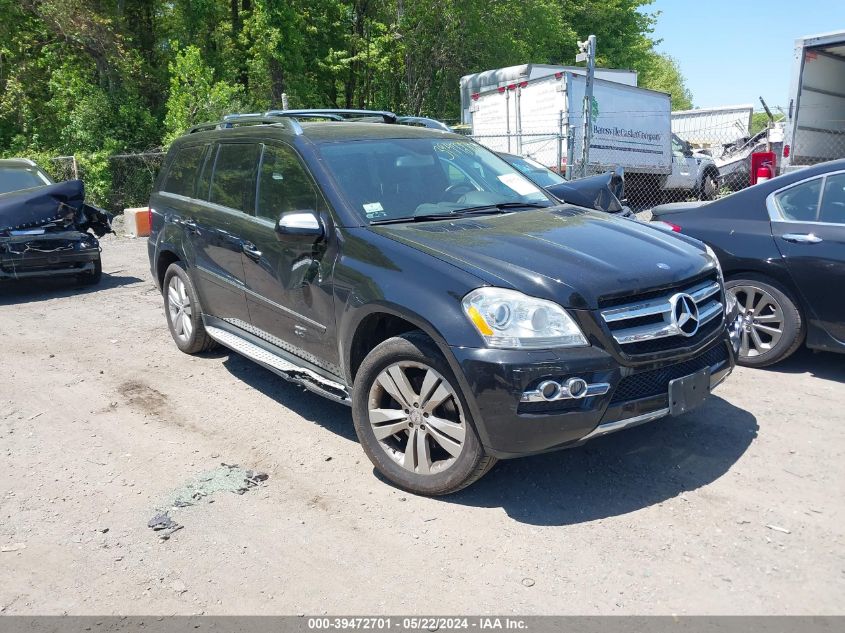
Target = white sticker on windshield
(373,208)
(518,184)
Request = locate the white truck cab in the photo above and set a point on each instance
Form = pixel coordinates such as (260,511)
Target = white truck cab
(692,171)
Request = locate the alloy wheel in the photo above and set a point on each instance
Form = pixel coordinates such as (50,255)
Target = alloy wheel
(180,309)
(416,416)
(762,320)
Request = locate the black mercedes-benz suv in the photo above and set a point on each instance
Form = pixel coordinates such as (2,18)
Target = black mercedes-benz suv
(463,313)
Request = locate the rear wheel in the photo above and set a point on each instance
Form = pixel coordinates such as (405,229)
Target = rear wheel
(772,327)
(412,420)
(184,314)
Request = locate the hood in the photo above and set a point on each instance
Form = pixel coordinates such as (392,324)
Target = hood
(566,254)
(58,207)
(602,192)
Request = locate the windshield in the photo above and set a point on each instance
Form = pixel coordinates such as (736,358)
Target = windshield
(392,179)
(17,178)
(540,174)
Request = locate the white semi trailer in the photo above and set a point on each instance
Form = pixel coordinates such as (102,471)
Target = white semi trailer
(815,130)
(542,119)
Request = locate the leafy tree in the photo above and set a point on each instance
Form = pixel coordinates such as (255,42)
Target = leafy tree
(195,96)
(661,72)
(96,77)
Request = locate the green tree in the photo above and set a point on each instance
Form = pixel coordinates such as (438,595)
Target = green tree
(93,76)
(195,96)
(661,72)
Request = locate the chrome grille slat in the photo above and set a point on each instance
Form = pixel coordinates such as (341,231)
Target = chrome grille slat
(709,312)
(704,291)
(648,308)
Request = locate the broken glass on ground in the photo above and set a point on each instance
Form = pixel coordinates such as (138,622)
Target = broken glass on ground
(199,489)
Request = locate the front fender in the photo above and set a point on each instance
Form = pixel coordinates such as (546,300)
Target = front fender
(375,274)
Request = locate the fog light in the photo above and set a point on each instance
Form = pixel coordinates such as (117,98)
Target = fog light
(549,389)
(577,387)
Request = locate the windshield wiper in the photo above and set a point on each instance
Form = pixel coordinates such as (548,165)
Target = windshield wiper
(501,207)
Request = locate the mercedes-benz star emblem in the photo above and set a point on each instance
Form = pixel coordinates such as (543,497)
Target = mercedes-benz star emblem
(685,314)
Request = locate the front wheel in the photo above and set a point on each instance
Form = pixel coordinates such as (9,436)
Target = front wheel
(413,421)
(93,277)
(772,328)
(709,187)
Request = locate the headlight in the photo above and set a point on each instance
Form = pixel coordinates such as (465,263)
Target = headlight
(730,302)
(509,319)
(730,299)
(715,259)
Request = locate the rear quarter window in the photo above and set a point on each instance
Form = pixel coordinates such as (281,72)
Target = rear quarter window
(181,177)
(233,180)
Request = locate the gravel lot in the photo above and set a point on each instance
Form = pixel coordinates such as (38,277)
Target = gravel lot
(735,508)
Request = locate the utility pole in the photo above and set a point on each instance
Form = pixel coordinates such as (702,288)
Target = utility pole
(587,52)
(769,126)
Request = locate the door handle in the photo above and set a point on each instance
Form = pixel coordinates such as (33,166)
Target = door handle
(188,225)
(251,251)
(802,238)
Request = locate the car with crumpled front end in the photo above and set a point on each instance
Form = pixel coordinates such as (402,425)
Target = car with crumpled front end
(47,229)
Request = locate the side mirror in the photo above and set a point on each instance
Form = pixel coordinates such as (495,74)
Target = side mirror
(687,149)
(299,224)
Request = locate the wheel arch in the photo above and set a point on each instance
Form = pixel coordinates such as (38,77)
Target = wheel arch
(780,280)
(377,323)
(164,259)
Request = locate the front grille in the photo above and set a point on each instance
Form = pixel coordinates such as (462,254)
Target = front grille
(655,382)
(666,319)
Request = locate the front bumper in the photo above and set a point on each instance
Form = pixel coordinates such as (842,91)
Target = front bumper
(48,255)
(511,424)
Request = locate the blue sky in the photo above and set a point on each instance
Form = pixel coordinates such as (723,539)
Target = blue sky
(732,52)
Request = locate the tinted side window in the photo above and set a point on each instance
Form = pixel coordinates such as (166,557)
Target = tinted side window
(233,181)
(833,200)
(801,202)
(182,175)
(283,184)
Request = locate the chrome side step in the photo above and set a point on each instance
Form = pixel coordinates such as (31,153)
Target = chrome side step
(284,368)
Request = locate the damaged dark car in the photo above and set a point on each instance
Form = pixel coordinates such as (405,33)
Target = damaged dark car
(47,229)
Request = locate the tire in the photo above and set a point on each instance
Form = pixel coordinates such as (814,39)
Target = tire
(773,327)
(94,277)
(421,457)
(184,312)
(709,187)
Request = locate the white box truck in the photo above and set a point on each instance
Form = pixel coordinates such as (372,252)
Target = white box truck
(543,119)
(815,130)
(477,83)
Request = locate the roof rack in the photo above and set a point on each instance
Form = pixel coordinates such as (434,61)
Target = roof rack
(292,117)
(238,120)
(335,114)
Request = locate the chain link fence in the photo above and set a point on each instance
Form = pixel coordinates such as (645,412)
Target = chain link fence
(115,182)
(708,154)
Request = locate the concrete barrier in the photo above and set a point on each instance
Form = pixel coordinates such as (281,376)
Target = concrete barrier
(137,221)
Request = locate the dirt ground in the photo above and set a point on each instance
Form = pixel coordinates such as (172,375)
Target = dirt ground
(738,507)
